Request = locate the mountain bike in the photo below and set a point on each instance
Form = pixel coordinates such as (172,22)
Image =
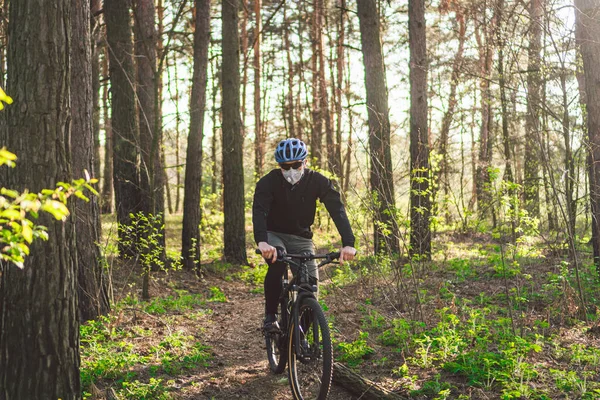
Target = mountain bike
(303,340)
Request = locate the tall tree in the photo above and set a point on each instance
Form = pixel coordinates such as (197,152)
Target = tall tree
(420,205)
(290,75)
(233,172)
(123,111)
(93,296)
(587,33)
(151,173)
(484,34)
(316,136)
(531,181)
(444,171)
(381,175)
(192,213)
(39,321)
(259,136)
(107,173)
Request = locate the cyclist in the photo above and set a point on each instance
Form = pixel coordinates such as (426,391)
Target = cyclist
(283,211)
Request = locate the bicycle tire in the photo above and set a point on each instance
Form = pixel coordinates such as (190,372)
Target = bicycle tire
(311,380)
(276,349)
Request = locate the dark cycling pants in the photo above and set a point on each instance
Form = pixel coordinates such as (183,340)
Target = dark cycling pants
(292,244)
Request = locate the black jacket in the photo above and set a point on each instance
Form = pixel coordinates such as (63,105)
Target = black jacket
(280,207)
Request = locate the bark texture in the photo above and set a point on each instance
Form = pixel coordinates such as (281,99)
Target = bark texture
(233,171)
(192,213)
(420,204)
(39,319)
(587,14)
(124,117)
(93,296)
(381,176)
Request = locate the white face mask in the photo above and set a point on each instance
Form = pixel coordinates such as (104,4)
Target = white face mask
(293,175)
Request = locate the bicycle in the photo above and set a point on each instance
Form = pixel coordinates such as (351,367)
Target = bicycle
(303,341)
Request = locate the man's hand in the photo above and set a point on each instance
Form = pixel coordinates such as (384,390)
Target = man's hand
(347,254)
(268,252)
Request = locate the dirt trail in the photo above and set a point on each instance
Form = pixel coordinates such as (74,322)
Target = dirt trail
(240,369)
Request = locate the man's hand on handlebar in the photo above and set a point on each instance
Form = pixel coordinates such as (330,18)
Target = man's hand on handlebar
(347,254)
(268,252)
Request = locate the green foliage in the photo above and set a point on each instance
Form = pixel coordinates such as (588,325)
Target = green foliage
(112,352)
(18,211)
(217,295)
(354,353)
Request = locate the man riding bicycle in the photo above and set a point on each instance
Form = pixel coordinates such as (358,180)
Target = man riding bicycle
(283,212)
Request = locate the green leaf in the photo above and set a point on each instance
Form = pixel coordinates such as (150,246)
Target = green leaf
(10,193)
(27,232)
(56,208)
(11,214)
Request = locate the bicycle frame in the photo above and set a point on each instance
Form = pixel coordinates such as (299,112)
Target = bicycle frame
(300,288)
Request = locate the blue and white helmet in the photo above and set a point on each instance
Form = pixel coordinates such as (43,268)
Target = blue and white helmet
(290,150)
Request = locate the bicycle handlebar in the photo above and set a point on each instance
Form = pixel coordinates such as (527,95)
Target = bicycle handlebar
(283,256)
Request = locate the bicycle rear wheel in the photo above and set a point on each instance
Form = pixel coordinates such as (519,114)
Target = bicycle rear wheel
(275,342)
(310,371)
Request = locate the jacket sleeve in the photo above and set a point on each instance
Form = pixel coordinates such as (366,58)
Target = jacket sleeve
(263,197)
(333,202)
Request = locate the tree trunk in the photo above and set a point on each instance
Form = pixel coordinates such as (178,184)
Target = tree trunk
(360,386)
(244,49)
(233,172)
(531,181)
(486,56)
(192,213)
(420,205)
(316,140)
(124,116)
(151,173)
(381,175)
(93,296)
(587,34)
(216,122)
(94,27)
(338,92)
(290,75)
(107,174)
(259,139)
(39,318)
(444,172)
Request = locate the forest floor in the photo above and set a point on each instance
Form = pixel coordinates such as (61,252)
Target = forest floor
(482,321)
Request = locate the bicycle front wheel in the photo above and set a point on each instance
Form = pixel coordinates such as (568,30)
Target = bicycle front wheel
(310,367)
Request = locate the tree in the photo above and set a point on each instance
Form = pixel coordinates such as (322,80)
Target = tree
(531,181)
(93,297)
(233,171)
(381,176)
(259,135)
(124,117)
(39,321)
(151,171)
(587,33)
(420,205)
(192,213)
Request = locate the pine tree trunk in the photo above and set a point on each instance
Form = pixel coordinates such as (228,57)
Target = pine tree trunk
(124,116)
(531,182)
(192,213)
(259,139)
(587,34)
(381,176)
(107,172)
(290,75)
(316,138)
(233,172)
(216,122)
(93,296)
(486,56)
(444,172)
(420,205)
(39,317)
(341,40)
